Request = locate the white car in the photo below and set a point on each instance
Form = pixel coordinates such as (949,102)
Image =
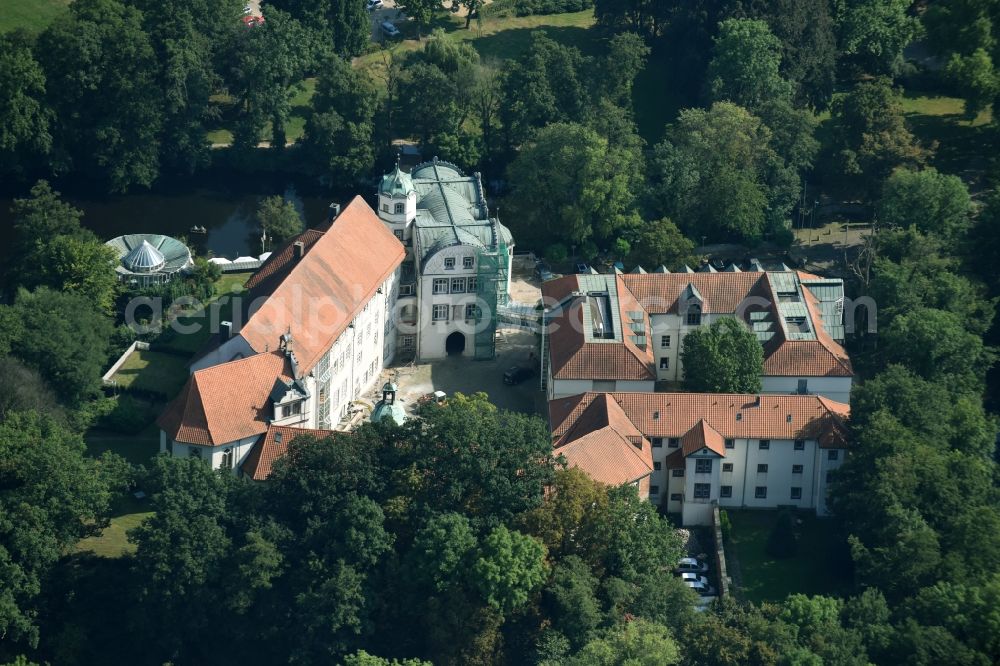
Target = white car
(247,9)
(694,578)
(691,565)
(373,4)
(703,589)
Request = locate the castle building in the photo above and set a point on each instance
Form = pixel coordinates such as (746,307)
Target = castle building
(456,273)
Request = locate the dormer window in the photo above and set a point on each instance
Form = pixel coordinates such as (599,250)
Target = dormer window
(291,409)
(694,315)
(449,263)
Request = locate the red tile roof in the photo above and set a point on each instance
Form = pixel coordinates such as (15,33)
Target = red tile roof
(760,417)
(822,357)
(701,436)
(606,445)
(722,292)
(317,296)
(226,402)
(274,444)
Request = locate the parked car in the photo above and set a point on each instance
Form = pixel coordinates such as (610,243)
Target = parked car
(517,374)
(247,9)
(373,4)
(691,565)
(543,272)
(390,30)
(701,588)
(691,577)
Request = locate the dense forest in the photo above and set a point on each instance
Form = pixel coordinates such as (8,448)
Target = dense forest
(437,542)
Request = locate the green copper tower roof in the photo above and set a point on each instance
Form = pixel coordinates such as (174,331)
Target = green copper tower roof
(396,184)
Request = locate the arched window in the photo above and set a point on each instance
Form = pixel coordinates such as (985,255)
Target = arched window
(694,315)
(228,459)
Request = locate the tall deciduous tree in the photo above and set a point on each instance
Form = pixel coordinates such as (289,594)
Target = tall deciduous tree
(342,23)
(25,119)
(101,69)
(725,357)
(933,202)
(661,243)
(510,567)
(279,218)
(746,65)
(572,184)
(873,34)
(51,495)
(717,173)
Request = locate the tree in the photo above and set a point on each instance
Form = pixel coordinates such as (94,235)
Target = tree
(746,64)
(339,134)
(933,202)
(625,58)
(870,137)
(717,172)
(78,266)
(427,116)
(51,495)
(808,45)
(635,643)
(470,457)
(575,500)
(873,34)
(422,11)
(362,658)
(661,243)
(101,69)
(571,602)
(570,183)
(726,357)
(510,567)
(25,119)
(65,338)
(343,24)
(24,390)
(279,218)
(442,551)
(964,33)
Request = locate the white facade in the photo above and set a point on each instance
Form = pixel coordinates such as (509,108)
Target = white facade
(754,475)
(562,388)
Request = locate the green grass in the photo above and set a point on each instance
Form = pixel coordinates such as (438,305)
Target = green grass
(136,449)
(960,144)
(821,565)
(190,343)
(112,542)
(31,15)
(153,371)
(295,128)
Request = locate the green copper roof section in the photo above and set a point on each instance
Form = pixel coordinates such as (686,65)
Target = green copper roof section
(396,184)
(384,412)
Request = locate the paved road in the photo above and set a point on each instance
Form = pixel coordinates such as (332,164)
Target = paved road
(388,12)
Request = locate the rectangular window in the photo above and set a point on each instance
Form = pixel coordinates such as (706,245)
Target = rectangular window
(730,443)
(727,467)
(760,492)
(385,208)
(702,490)
(398,209)
(674,443)
(796,469)
(654,490)
(467,262)
(664,363)
(796,493)
(665,342)
(657,442)
(406,342)
(803,386)
(449,263)
(441,286)
(678,472)
(694,315)
(406,290)
(441,313)
(676,497)
(764,444)
(292,409)
(762,468)
(470,312)
(398,233)
(458,285)
(725,491)
(703,466)
(473,285)
(800,445)
(833,454)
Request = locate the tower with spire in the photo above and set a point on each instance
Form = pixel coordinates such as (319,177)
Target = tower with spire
(397,203)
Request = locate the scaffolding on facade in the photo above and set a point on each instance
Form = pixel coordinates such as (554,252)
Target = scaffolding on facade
(491,289)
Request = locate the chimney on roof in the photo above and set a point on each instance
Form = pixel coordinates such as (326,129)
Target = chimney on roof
(333,212)
(636,441)
(300,249)
(225,329)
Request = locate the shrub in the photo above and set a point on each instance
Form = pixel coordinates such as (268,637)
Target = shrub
(725,524)
(126,415)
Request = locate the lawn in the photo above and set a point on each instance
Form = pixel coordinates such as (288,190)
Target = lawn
(137,448)
(32,15)
(112,541)
(294,129)
(190,343)
(821,565)
(153,371)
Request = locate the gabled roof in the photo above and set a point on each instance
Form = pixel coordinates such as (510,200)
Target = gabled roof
(226,402)
(721,293)
(273,444)
(721,415)
(316,297)
(703,436)
(606,445)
